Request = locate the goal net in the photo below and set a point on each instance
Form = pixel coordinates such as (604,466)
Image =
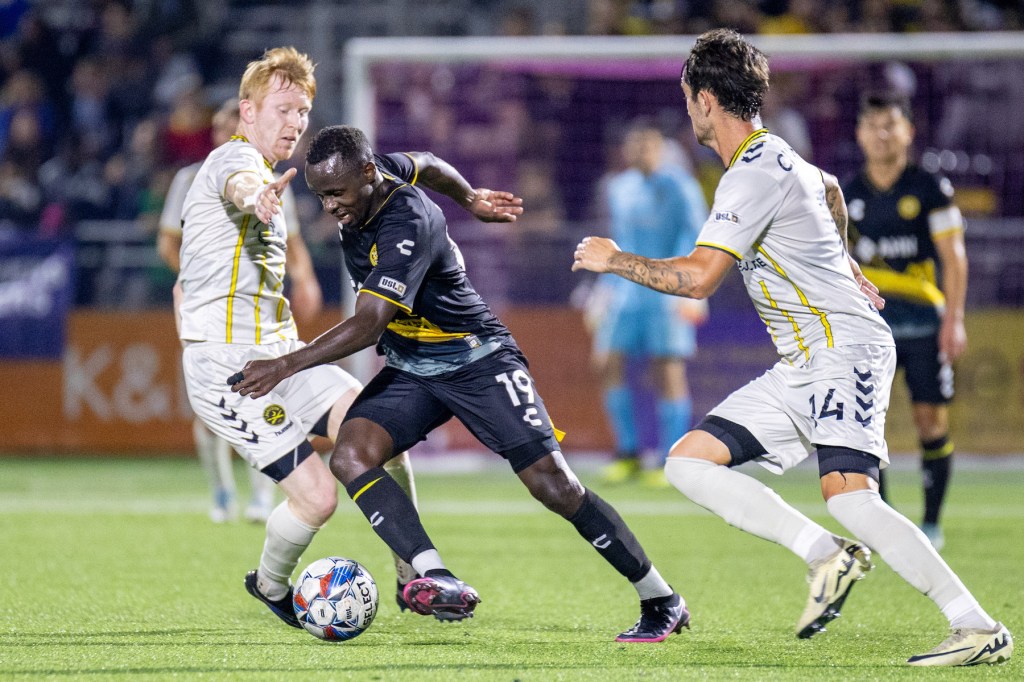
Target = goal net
(544,117)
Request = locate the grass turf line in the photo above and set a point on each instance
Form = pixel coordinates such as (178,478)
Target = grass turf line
(111,571)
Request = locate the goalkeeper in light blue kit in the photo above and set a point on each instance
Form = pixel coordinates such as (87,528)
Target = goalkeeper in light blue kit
(656,208)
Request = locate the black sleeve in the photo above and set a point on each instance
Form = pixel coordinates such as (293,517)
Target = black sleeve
(400,166)
(937,192)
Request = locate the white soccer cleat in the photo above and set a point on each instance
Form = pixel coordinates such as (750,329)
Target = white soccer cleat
(831,580)
(969,646)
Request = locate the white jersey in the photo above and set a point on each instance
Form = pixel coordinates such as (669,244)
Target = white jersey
(770,214)
(174,202)
(232,265)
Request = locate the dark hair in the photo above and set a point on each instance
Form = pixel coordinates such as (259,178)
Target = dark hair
(348,142)
(731,69)
(875,101)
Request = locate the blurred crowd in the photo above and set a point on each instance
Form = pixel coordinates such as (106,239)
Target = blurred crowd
(101,101)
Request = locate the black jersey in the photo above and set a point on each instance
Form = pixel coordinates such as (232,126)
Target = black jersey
(890,229)
(403,254)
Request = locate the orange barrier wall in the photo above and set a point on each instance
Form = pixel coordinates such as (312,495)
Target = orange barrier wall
(119,389)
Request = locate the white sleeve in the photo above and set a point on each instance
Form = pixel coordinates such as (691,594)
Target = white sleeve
(241,160)
(746,201)
(174,202)
(946,220)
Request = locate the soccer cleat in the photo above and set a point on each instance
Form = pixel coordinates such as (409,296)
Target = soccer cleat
(969,646)
(282,608)
(621,470)
(831,580)
(441,595)
(933,532)
(659,618)
(654,479)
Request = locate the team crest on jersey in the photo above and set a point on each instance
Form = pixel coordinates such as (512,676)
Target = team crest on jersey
(373,255)
(726,217)
(909,207)
(273,414)
(392,284)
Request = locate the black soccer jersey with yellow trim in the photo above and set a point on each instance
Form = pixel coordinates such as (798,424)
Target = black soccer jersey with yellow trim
(403,254)
(890,230)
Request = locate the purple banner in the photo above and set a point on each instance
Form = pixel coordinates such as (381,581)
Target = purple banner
(36,292)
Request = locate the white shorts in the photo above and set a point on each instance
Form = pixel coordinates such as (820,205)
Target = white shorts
(265,429)
(839,398)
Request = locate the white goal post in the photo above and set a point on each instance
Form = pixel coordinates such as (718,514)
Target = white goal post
(362,53)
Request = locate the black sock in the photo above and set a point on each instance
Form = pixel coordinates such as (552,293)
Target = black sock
(390,512)
(936,463)
(602,527)
(883,488)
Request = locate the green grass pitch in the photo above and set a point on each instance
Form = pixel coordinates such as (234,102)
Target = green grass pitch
(110,570)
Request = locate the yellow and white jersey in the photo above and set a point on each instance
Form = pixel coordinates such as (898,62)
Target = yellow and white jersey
(232,265)
(770,214)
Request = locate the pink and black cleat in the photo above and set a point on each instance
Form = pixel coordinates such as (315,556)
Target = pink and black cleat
(441,595)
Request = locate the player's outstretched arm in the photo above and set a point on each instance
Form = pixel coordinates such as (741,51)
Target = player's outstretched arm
(489,206)
(371,318)
(247,191)
(695,276)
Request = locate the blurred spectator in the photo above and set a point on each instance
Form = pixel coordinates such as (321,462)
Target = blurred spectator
(73,180)
(93,118)
(187,137)
(23,93)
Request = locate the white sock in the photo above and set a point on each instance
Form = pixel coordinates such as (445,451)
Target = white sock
(749,505)
(652,585)
(906,549)
(427,561)
(213,451)
(287,539)
(400,469)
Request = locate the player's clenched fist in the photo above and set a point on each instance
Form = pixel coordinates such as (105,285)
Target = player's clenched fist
(593,253)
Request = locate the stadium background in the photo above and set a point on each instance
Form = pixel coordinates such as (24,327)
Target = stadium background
(101,101)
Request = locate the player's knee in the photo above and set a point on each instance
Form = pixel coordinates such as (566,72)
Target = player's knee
(556,489)
(316,501)
(686,473)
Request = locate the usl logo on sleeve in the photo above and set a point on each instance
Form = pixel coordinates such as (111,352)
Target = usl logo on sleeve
(725,217)
(392,285)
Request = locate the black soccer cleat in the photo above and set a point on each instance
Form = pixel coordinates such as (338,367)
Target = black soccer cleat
(282,608)
(659,618)
(441,595)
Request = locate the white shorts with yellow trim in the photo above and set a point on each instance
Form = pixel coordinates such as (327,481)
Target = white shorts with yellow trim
(265,429)
(839,397)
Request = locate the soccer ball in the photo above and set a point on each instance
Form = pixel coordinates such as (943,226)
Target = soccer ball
(335,599)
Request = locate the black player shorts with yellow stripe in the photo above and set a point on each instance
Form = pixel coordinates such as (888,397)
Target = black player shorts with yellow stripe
(929,379)
(494,397)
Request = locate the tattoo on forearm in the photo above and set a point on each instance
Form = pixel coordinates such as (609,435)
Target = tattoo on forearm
(652,273)
(837,207)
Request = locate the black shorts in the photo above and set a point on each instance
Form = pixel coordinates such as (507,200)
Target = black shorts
(494,397)
(928,379)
